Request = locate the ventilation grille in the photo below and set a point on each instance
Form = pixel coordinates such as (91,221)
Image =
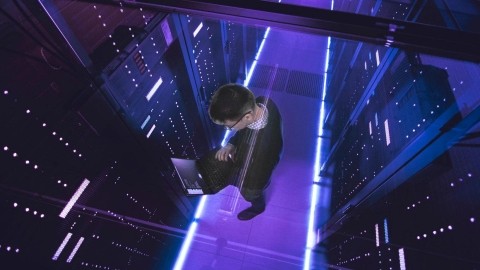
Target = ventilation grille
(304,84)
(295,82)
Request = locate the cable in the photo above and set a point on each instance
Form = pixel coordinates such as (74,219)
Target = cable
(58,52)
(46,61)
(31,57)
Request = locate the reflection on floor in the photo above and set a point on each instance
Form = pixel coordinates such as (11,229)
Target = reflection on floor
(277,238)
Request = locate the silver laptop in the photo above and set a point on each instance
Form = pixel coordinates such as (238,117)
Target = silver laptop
(190,178)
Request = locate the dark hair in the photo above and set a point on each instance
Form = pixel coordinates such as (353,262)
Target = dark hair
(229,102)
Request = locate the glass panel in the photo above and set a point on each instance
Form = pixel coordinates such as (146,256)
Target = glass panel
(451,14)
(398,154)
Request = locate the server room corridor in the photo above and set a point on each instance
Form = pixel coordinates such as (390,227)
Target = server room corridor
(277,238)
(381,128)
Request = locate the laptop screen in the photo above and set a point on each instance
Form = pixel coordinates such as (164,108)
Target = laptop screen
(190,178)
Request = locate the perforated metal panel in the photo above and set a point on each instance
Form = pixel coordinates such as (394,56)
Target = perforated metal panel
(293,81)
(304,84)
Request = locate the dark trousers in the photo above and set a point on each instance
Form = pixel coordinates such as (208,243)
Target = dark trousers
(255,197)
(257,173)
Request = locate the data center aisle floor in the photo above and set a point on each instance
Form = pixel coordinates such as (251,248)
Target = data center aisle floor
(276,239)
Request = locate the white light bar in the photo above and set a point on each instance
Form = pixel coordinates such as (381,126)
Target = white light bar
(151,130)
(387,132)
(377,236)
(185,247)
(257,56)
(193,226)
(191,232)
(377,55)
(62,246)
(145,122)
(199,27)
(312,237)
(225,137)
(201,206)
(75,249)
(154,89)
(401,256)
(166,32)
(74,198)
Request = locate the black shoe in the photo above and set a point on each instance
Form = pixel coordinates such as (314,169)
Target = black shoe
(250,213)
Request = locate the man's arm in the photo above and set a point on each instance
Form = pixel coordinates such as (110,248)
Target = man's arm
(226,152)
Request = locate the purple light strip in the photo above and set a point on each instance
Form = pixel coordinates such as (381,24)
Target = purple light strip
(62,246)
(193,226)
(311,233)
(74,198)
(191,232)
(75,249)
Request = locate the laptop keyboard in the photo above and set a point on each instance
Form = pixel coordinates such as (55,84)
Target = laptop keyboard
(214,173)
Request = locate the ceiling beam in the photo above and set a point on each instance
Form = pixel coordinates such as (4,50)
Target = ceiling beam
(412,36)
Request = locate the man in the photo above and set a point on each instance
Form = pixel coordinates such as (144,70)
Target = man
(257,145)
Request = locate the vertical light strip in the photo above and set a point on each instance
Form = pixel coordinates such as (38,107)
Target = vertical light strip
(167,33)
(154,89)
(62,246)
(191,232)
(377,236)
(225,137)
(75,249)
(377,56)
(145,122)
(257,56)
(199,27)
(401,257)
(151,130)
(385,227)
(387,132)
(249,76)
(312,237)
(370,127)
(201,205)
(74,198)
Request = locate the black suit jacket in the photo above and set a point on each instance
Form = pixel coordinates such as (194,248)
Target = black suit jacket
(259,151)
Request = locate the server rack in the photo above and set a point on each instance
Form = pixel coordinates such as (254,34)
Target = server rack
(398,161)
(95,99)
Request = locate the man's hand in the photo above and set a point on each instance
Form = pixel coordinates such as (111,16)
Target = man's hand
(225,152)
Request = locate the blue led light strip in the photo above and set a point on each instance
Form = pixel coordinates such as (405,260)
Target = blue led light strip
(193,226)
(191,232)
(311,233)
(249,75)
(385,226)
(257,56)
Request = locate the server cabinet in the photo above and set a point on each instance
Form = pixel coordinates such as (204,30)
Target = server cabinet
(95,100)
(403,133)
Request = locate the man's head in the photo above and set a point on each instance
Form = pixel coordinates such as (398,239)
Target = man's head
(232,106)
